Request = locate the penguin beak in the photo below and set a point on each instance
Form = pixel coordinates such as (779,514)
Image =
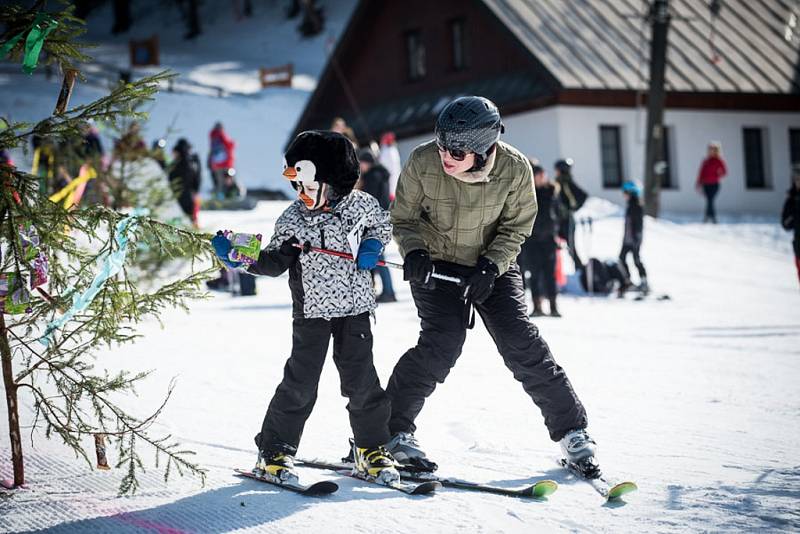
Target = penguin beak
(290,173)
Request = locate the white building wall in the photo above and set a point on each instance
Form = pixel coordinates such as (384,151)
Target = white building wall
(572,131)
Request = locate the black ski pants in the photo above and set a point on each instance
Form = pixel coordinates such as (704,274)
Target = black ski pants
(540,262)
(294,399)
(637,260)
(445,317)
(710,191)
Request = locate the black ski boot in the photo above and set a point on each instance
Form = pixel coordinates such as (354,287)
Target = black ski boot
(277,463)
(376,463)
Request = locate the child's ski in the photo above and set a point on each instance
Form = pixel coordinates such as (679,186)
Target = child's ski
(409,488)
(317,489)
(540,489)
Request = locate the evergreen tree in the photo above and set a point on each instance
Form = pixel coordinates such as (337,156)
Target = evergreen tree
(67,288)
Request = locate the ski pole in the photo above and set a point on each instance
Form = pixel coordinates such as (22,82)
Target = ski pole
(346,255)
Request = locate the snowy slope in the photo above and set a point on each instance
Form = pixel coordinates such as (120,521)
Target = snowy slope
(228,54)
(695,399)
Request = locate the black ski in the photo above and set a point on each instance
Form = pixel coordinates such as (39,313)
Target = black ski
(611,491)
(317,489)
(540,489)
(409,488)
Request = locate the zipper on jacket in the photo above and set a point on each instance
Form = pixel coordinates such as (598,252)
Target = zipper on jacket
(322,237)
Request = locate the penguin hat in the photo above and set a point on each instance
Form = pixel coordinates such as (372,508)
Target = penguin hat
(322,166)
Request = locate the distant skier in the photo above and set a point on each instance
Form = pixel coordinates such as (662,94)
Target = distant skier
(711,173)
(790,218)
(390,158)
(632,238)
(184,179)
(220,157)
(570,199)
(375,181)
(465,203)
(331,297)
(538,256)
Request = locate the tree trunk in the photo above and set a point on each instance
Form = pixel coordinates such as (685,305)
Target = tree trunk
(11,402)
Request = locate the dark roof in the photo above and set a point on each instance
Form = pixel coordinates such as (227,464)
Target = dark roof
(604,44)
(405,116)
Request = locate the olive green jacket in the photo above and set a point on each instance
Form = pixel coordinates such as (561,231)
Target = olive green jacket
(459,221)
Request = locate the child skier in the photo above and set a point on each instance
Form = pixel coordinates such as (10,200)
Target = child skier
(790,217)
(331,297)
(632,240)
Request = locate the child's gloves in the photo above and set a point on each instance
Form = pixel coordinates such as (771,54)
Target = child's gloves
(222,247)
(289,249)
(369,253)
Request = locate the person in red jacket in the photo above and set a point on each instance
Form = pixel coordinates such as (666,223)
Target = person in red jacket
(711,173)
(220,156)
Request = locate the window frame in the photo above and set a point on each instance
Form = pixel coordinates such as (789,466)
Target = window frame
(617,129)
(414,46)
(458,44)
(668,147)
(761,165)
(794,146)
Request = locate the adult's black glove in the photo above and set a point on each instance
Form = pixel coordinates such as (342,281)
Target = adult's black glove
(481,282)
(417,267)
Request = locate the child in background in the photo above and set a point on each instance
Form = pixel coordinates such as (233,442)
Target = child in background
(632,240)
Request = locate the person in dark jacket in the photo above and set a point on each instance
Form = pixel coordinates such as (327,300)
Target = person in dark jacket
(790,218)
(184,178)
(632,240)
(538,256)
(569,199)
(375,181)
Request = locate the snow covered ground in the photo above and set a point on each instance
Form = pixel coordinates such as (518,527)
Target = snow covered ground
(694,398)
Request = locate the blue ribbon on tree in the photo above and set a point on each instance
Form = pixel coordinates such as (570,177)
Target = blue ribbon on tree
(112,263)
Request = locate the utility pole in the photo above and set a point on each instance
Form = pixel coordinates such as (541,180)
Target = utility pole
(655,162)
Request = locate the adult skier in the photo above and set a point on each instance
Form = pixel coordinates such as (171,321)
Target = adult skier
(709,177)
(184,179)
(465,203)
(375,181)
(220,157)
(790,217)
(570,198)
(538,256)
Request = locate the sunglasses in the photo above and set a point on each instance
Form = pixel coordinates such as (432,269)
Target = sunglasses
(456,154)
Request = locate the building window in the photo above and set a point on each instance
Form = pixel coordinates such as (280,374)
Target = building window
(416,55)
(668,179)
(794,146)
(611,156)
(458,39)
(755,168)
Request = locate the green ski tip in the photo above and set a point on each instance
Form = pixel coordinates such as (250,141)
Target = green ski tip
(543,488)
(621,489)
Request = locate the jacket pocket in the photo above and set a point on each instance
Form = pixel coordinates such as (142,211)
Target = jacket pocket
(438,206)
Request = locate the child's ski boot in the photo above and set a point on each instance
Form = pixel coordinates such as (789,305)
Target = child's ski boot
(376,463)
(277,464)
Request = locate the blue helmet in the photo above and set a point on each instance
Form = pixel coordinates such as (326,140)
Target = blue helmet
(629,186)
